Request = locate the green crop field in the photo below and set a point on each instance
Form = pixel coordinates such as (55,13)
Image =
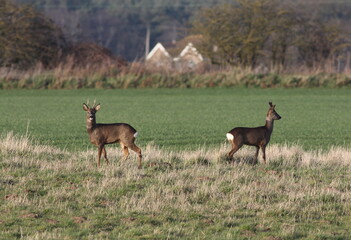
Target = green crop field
(181,118)
(50,187)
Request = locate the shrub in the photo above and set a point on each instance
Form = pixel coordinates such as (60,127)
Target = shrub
(28,37)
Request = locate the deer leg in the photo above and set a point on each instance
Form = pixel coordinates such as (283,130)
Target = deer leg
(125,151)
(234,150)
(99,154)
(256,155)
(237,144)
(232,142)
(263,148)
(138,151)
(105,155)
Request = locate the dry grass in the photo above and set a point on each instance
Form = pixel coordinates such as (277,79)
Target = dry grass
(47,193)
(137,75)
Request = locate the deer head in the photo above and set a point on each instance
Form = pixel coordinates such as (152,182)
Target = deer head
(272,114)
(91,111)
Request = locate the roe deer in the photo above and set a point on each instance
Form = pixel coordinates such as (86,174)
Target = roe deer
(101,134)
(258,137)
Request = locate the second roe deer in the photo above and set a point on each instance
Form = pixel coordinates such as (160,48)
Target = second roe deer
(101,134)
(258,137)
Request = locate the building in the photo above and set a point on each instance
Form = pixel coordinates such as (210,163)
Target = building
(188,60)
(159,58)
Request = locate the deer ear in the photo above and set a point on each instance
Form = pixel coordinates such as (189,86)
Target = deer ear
(97,107)
(85,107)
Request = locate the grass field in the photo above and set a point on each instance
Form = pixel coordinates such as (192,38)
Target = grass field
(181,118)
(50,187)
(47,193)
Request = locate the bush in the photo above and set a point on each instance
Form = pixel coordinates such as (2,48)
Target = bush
(28,37)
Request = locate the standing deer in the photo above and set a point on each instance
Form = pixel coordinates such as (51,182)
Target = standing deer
(101,134)
(258,137)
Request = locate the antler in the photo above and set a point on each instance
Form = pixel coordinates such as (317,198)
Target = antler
(94,103)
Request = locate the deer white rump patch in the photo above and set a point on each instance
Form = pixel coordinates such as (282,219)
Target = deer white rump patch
(135,134)
(230,136)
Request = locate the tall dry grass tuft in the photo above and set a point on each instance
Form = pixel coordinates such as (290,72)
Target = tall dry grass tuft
(11,143)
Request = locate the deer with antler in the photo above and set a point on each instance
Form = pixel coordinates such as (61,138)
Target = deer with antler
(258,137)
(101,134)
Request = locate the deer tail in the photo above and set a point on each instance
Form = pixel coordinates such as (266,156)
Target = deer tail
(135,134)
(230,136)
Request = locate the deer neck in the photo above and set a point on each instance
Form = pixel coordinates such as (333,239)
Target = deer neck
(269,124)
(91,124)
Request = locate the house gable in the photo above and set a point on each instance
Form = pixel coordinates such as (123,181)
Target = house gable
(190,52)
(188,59)
(159,58)
(157,51)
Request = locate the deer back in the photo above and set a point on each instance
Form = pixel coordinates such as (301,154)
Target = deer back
(112,133)
(250,136)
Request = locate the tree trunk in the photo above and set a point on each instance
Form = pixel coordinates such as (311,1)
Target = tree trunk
(147,40)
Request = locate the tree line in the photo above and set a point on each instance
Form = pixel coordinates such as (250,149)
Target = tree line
(121,25)
(264,31)
(228,32)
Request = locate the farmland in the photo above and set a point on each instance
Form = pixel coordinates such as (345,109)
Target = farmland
(180,118)
(50,187)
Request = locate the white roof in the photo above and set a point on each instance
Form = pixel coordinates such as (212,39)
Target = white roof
(190,47)
(160,47)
